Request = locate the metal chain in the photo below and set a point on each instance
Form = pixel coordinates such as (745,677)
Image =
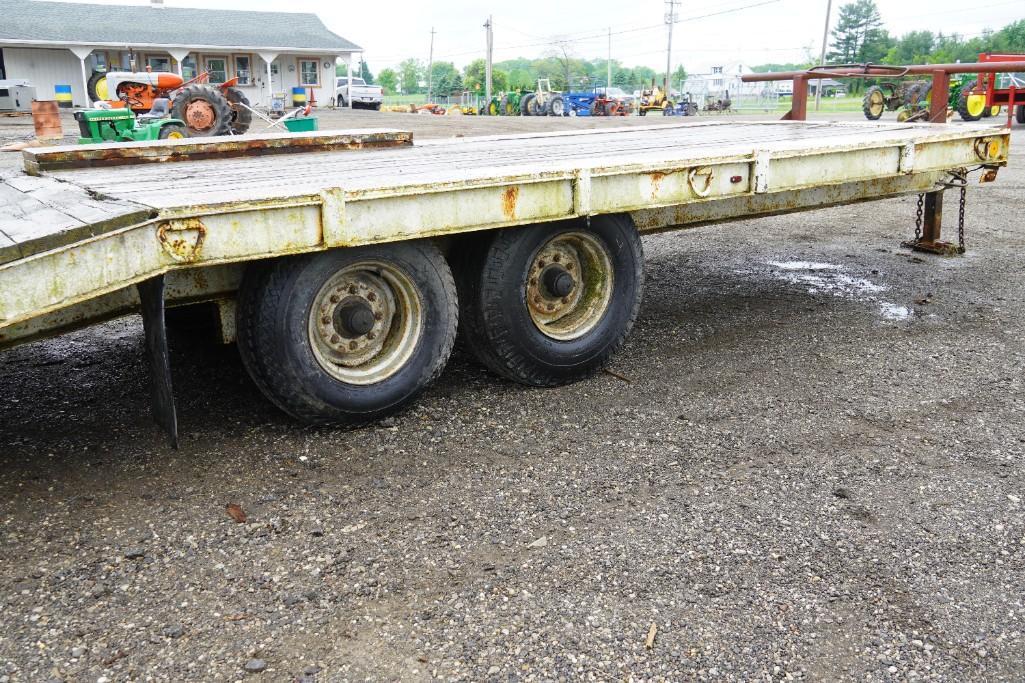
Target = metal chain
(918,218)
(960,214)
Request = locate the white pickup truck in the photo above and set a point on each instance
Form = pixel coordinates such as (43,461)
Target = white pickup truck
(363,95)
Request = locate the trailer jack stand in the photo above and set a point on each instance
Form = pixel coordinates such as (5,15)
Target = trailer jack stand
(928,225)
(151,296)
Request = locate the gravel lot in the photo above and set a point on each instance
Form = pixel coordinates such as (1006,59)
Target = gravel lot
(808,464)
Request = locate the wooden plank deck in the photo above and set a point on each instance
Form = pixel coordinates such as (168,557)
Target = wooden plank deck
(37,214)
(229,181)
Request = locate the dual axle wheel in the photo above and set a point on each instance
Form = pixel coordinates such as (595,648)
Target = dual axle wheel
(352,335)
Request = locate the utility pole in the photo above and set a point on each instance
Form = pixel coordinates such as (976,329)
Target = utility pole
(670,20)
(822,55)
(608,66)
(487,64)
(430,65)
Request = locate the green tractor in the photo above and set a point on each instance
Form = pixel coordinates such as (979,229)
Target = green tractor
(122,125)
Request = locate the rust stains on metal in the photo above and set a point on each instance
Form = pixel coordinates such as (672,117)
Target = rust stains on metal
(182,239)
(192,149)
(509,198)
(656,182)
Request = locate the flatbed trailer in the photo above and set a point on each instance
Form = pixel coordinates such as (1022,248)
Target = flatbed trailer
(343,270)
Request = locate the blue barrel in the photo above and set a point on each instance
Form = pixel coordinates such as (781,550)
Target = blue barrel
(298,97)
(62,93)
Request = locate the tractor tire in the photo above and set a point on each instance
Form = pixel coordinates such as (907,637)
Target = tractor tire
(556,106)
(550,304)
(349,335)
(918,95)
(596,109)
(173,131)
(873,104)
(989,112)
(493,108)
(525,102)
(97,87)
(241,118)
(511,105)
(968,107)
(1019,113)
(613,109)
(535,108)
(205,111)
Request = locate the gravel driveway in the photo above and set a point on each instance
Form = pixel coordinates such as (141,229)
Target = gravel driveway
(807,464)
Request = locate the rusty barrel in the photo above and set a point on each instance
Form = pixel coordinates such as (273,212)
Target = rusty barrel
(47,120)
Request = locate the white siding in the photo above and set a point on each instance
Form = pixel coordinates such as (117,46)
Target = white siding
(45,69)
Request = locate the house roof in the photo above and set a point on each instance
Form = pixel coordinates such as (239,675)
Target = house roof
(31,21)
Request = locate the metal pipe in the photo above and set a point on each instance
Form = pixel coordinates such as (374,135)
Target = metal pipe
(872,70)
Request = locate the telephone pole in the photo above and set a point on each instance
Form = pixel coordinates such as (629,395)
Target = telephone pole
(822,55)
(671,6)
(608,66)
(430,65)
(487,64)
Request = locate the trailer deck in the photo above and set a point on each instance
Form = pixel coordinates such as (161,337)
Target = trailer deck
(68,237)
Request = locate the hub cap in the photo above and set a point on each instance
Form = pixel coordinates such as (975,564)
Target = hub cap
(365,323)
(199,115)
(569,285)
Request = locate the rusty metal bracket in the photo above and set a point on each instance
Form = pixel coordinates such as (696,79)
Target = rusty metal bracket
(697,187)
(151,296)
(182,239)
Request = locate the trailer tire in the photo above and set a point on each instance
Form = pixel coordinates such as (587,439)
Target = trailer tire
(350,335)
(500,276)
(1019,113)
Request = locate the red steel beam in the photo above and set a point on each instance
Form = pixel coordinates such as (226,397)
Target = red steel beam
(871,71)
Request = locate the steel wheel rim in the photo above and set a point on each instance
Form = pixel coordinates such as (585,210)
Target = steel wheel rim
(588,262)
(395,304)
(876,103)
(976,105)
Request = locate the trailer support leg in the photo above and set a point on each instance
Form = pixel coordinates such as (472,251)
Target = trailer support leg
(932,225)
(151,295)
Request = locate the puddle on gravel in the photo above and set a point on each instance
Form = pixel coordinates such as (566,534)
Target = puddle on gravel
(830,278)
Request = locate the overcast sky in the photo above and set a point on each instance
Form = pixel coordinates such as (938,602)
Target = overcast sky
(758,31)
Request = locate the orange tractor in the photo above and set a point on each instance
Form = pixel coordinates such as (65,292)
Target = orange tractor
(206,109)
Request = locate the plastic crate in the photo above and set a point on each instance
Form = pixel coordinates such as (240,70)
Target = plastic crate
(304,125)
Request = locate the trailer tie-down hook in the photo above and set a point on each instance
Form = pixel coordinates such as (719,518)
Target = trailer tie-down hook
(929,217)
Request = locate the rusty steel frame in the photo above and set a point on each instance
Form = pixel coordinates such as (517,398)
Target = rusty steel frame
(929,241)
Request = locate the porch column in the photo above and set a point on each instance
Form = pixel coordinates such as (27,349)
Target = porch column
(269,57)
(83,53)
(179,56)
(348,72)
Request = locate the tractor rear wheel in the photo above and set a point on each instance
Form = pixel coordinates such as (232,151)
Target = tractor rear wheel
(874,103)
(173,131)
(535,108)
(525,104)
(241,117)
(971,107)
(97,87)
(612,109)
(556,106)
(205,111)
(511,105)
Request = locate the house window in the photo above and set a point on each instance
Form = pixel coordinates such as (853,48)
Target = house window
(217,67)
(158,63)
(309,72)
(717,69)
(244,69)
(189,69)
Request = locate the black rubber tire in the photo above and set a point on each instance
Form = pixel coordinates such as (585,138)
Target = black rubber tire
(496,325)
(214,97)
(556,106)
(241,118)
(510,105)
(525,104)
(341,102)
(1019,113)
(962,107)
(273,336)
(376,106)
(866,103)
(168,129)
(95,78)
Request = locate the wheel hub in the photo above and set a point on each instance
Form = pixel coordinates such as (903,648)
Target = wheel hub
(364,323)
(569,285)
(199,115)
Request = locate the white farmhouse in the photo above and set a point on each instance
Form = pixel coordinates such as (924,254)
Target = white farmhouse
(54,45)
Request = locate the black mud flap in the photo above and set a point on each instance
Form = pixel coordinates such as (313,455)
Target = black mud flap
(151,294)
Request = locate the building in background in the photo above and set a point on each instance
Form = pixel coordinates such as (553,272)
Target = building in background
(54,44)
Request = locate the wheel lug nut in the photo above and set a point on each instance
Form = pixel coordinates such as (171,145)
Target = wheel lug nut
(541,263)
(335,298)
(371,335)
(371,297)
(325,320)
(556,258)
(378,315)
(565,299)
(335,339)
(352,289)
(353,345)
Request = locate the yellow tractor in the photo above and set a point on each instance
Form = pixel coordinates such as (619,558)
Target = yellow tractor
(655,99)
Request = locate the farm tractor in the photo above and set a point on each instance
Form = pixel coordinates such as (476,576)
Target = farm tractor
(122,125)
(206,109)
(910,97)
(543,101)
(655,99)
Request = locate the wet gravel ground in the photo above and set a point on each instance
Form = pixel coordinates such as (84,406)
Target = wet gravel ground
(807,465)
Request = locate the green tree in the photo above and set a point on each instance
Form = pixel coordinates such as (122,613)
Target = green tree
(388,80)
(445,79)
(411,72)
(475,74)
(364,73)
(858,25)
